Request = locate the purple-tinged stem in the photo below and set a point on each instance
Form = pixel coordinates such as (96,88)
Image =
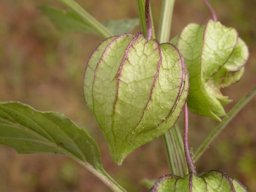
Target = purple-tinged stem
(148,20)
(214,15)
(191,166)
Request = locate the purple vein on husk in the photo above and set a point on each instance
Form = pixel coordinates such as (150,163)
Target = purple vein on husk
(182,86)
(107,48)
(156,75)
(93,52)
(151,91)
(214,15)
(90,57)
(118,77)
(96,70)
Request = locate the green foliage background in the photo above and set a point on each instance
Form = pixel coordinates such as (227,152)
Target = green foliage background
(44,68)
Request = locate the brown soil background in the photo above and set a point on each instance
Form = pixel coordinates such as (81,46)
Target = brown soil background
(43,67)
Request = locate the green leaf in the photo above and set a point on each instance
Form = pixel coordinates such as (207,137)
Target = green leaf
(118,27)
(215,57)
(30,131)
(67,21)
(136,89)
(210,182)
(87,18)
(70,21)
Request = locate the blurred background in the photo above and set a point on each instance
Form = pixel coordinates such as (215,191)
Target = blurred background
(44,67)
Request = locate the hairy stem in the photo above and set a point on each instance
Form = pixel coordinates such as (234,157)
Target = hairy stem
(215,132)
(214,15)
(189,159)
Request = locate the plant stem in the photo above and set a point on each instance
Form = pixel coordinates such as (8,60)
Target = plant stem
(166,20)
(143,14)
(148,20)
(174,146)
(99,172)
(141,10)
(103,176)
(172,138)
(215,132)
(190,164)
(214,15)
(101,29)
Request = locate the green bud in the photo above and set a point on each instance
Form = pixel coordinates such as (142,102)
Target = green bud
(215,57)
(209,182)
(136,89)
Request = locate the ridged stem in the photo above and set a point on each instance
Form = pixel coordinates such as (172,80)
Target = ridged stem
(172,138)
(174,145)
(166,20)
